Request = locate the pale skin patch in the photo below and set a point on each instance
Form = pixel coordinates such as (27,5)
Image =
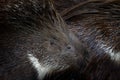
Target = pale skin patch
(41,70)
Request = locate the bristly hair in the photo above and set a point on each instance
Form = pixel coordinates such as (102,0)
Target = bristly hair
(28,15)
(68,74)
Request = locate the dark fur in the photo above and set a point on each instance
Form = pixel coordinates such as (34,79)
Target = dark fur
(33,27)
(96,23)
